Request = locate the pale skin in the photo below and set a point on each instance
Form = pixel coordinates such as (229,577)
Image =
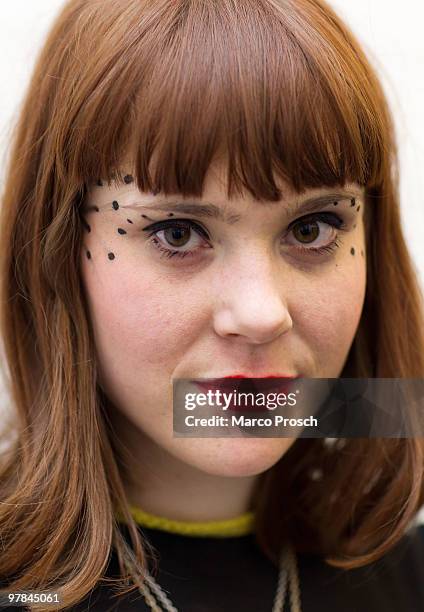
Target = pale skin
(246,300)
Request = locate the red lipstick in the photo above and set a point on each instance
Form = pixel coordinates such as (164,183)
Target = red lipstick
(272,383)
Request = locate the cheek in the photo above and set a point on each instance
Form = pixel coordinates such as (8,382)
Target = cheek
(138,322)
(330,316)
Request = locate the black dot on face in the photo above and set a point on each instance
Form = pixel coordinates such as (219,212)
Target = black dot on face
(129,220)
(111,255)
(99,183)
(358,208)
(335,203)
(128,178)
(352,202)
(96,208)
(352,250)
(170,214)
(88,254)
(121,231)
(115,205)
(86,226)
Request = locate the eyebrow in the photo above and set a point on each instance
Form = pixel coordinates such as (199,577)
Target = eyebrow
(207,209)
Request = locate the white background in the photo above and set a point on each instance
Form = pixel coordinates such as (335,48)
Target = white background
(391,33)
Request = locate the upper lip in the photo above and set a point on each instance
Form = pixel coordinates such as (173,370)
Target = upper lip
(238,375)
(228,382)
(259,376)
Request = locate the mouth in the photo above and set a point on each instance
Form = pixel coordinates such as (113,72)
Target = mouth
(239,383)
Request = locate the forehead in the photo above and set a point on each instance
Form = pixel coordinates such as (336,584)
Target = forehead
(215,188)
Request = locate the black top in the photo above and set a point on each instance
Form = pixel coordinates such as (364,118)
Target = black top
(210,574)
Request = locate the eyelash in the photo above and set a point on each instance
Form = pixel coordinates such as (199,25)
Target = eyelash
(328,218)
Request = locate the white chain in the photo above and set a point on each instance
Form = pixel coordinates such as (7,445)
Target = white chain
(287,571)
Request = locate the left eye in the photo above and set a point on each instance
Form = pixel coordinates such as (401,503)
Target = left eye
(316,233)
(310,231)
(307,232)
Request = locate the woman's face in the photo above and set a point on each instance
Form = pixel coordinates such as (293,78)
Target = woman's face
(268,288)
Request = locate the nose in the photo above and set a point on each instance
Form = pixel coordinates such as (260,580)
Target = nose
(251,301)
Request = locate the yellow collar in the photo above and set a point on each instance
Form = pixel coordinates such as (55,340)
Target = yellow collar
(238,526)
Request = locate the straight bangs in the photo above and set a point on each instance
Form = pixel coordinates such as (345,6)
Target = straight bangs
(275,89)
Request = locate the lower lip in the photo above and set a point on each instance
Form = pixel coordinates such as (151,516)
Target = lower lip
(262,385)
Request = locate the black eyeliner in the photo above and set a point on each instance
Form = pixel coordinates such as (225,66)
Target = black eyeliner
(183,223)
(325,217)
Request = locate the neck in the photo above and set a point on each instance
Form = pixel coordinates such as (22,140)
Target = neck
(159,483)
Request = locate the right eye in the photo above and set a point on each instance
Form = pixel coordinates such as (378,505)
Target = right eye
(171,235)
(308,231)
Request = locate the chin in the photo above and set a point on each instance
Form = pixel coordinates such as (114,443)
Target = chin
(235,457)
